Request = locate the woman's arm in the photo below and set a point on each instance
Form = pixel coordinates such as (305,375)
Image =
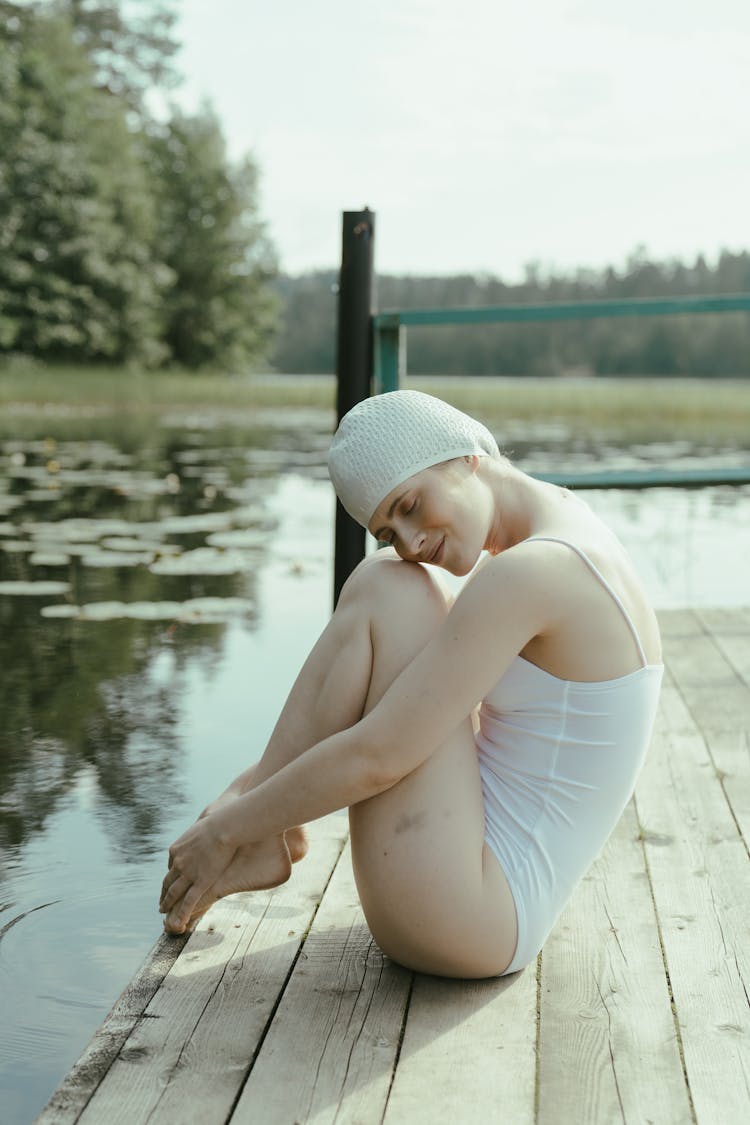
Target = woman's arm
(491,621)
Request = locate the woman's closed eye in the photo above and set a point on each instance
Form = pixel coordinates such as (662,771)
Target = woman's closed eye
(406,507)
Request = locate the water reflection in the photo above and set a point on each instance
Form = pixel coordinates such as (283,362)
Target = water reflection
(112,556)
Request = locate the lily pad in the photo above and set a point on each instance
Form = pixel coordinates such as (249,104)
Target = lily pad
(78,549)
(42,587)
(42,495)
(124,543)
(80,529)
(110,611)
(214,609)
(61,610)
(101,611)
(203,521)
(252,515)
(16,546)
(153,611)
(195,611)
(203,560)
(117,558)
(21,471)
(239,537)
(40,558)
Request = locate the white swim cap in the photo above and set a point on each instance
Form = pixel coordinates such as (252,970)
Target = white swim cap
(386,439)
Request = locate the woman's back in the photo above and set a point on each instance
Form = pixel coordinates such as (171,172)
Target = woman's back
(558,760)
(606,626)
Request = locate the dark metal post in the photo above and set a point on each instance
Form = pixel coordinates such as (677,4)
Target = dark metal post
(353,362)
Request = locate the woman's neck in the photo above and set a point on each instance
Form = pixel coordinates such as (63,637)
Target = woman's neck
(522,505)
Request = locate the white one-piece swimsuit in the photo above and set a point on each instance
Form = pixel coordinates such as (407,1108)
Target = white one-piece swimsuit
(559,761)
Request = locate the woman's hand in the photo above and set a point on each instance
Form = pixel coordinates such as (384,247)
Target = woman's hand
(196,860)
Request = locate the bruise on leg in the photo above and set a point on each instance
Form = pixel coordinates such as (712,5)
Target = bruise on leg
(410,822)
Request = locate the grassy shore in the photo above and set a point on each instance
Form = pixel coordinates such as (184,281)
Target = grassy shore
(717,409)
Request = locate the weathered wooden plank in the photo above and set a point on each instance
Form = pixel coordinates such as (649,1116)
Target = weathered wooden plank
(330,1052)
(673,714)
(187,1055)
(70,1098)
(726,619)
(468,1054)
(730,752)
(608,1047)
(696,662)
(730,629)
(721,708)
(714,692)
(698,868)
(679,623)
(156,1056)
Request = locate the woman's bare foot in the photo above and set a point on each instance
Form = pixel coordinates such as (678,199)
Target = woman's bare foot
(297,847)
(254,867)
(296,841)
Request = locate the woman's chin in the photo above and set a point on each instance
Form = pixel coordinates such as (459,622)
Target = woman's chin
(461,567)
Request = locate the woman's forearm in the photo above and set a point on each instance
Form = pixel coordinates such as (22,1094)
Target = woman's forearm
(334,774)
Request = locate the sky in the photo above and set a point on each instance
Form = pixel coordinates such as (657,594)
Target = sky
(486,135)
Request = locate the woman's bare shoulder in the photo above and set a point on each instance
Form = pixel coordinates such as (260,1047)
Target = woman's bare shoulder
(523,582)
(532,560)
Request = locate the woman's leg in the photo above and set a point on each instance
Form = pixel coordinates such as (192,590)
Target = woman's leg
(328,695)
(434,897)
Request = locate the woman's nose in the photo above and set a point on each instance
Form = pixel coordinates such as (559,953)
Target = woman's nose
(416,543)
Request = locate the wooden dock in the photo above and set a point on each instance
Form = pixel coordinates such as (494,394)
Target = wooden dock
(281,1010)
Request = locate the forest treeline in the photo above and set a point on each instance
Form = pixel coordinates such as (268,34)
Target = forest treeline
(695,344)
(126,236)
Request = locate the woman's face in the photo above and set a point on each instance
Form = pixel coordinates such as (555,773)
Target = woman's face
(440,516)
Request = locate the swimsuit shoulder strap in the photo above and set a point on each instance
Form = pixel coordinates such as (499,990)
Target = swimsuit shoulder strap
(598,574)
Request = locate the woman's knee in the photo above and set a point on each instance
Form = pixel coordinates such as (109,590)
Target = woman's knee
(387,586)
(402,607)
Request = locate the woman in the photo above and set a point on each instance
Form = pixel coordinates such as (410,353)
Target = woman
(485,747)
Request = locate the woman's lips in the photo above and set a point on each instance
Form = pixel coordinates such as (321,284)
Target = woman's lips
(437,553)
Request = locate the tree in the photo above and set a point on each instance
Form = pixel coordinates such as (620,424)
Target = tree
(77,276)
(120,239)
(130,45)
(704,345)
(305,342)
(219,309)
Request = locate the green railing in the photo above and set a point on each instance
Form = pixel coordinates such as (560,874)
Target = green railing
(389,327)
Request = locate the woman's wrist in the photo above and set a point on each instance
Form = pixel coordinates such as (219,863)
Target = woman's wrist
(229,823)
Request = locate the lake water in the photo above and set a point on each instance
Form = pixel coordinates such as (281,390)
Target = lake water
(160,586)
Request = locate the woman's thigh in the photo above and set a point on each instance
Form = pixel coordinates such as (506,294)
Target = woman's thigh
(434,896)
